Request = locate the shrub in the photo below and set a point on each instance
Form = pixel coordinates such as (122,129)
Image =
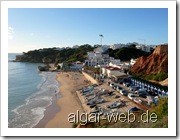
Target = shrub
(157,77)
(160,76)
(162,108)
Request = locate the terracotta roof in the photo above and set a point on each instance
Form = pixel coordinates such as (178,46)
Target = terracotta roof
(112,68)
(107,67)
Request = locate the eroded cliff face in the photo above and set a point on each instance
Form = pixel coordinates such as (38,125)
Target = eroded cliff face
(155,63)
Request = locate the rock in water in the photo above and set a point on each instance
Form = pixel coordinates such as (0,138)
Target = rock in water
(43,68)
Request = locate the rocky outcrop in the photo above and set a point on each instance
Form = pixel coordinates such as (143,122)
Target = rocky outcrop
(161,49)
(55,55)
(155,63)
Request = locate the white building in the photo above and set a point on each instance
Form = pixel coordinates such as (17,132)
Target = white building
(143,48)
(102,49)
(94,59)
(132,62)
(115,62)
(97,58)
(104,71)
(117,46)
(110,71)
(114,65)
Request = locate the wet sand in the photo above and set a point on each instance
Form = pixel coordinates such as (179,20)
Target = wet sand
(49,114)
(68,102)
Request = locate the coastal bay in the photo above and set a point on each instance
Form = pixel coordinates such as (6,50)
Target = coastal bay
(28,96)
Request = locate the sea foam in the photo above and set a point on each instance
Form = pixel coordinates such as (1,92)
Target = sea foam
(32,111)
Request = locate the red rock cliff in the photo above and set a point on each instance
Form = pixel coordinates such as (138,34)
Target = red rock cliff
(152,64)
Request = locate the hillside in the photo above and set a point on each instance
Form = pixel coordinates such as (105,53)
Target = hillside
(54,55)
(154,66)
(126,53)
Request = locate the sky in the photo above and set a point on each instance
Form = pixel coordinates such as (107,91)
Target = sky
(30,28)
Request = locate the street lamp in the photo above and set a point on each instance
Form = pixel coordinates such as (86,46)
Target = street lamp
(101,38)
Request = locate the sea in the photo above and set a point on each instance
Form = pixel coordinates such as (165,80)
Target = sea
(30,92)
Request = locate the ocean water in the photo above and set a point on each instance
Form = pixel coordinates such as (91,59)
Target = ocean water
(29,93)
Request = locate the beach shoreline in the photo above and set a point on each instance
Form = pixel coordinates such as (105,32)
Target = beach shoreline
(50,110)
(56,115)
(49,114)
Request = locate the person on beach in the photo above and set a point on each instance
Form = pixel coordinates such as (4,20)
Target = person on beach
(56,94)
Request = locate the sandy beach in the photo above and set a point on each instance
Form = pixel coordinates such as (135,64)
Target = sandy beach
(68,102)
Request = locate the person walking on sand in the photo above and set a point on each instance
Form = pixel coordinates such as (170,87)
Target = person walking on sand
(55,94)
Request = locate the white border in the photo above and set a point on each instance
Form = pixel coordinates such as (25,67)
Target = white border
(170,131)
